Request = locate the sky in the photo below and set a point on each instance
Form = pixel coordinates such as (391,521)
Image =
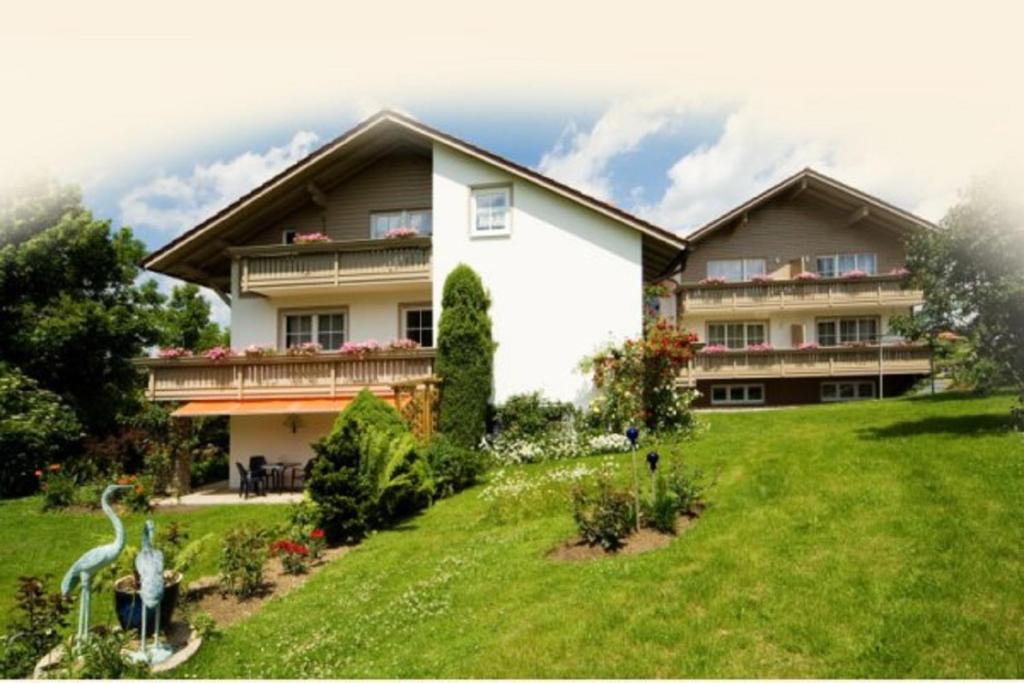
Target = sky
(674,111)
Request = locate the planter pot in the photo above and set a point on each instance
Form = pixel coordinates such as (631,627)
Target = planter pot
(128,604)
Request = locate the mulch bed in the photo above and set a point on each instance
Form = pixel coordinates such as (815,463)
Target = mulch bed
(205,595)
(642,541)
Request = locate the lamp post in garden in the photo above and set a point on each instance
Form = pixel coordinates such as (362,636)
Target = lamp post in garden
(633,434)
(652,462)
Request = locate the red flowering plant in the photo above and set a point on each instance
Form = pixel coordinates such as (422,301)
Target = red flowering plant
(636,381)
(57,487)
(317,543)
(294,556)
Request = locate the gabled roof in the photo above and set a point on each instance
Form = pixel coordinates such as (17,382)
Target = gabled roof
(829,189)
(298,172)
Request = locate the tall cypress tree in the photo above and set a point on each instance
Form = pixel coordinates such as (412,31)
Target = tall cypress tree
(465,357)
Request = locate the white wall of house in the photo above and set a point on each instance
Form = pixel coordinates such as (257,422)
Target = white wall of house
(371,315)
(564,282)
(271,436)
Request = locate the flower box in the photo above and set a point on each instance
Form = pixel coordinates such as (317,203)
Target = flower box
(310,237)
(762,279)
(218,353)
(715,348)
(855,274)
(256,351)
(404,345)
(304,349)
(360,348)
(899,271)
(807,276)
(174,352)
(808,346)
(400,233)
(713,281)
(760,347)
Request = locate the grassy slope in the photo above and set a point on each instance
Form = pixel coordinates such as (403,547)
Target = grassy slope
(846,540)
(36,543)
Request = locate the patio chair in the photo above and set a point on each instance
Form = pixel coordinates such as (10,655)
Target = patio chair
(247,483)
(302,473)
(258,467)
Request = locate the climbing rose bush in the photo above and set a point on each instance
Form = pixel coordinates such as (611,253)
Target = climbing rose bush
(636,381)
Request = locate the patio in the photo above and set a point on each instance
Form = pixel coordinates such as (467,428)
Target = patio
(219,493)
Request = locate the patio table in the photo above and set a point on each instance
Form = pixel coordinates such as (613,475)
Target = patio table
(278,471)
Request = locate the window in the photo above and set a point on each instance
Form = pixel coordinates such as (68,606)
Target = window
(847,391)
(329,329)
(737,335)
(383,221)
(838,265)
(737,394)
(847,331)
(491,211)
(288,236)
(418,324)
(736,270)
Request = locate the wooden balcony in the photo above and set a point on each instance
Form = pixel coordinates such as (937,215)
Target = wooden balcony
(321,375)
(879,290)
(295,268)
(830,362)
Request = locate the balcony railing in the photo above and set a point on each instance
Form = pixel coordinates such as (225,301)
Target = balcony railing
(885,290)
(830,362)
(266,269)
(320,375)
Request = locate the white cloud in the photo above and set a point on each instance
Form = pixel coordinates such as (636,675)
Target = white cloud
(174,203)
(904,155)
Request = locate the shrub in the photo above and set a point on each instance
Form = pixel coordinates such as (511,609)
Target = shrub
(660,510)
(243,559)
(88,495)
(36,428)
(209,464)
(368,471)
(604,515)
(529,415)
(57,486)
(35,628)
(160,468)
(453,467)
(465,357)
(294,556)
(138,497)
(103,657)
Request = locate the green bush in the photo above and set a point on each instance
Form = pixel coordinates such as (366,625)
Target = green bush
(58,488)
(35,628)
(465,357)
(368,471)
(604,515)
(454,467)
(661,509)
(244,555)
(529,416)
(36,429)
(209,464)
(103,657)
(160,468)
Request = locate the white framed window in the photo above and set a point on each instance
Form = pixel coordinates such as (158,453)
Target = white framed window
(838,331)
(838,265)
(737,335)
(327,328)
(418,323)
(491,211)
(833,392)
(737,270)
(419,220)
(288,236)
(737,394)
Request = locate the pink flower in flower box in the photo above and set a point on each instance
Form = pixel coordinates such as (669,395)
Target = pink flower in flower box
(304,349)
(899,271)
(712,281)
(218,353)
(807,275)
(808,346)
(174,352)
(715,348)
(309,237)
(855,274)
(761,347)
(762,279)
(404,345)
(399,233)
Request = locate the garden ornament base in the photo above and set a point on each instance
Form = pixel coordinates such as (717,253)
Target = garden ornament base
(181,641)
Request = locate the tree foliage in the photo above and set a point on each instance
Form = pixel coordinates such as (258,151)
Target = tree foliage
(185,321)
(465,357)
(972,273)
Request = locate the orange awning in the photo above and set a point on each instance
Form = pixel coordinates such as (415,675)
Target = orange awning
(288,406)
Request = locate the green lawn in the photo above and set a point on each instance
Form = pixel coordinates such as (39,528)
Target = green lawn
(874,539)
(39,543)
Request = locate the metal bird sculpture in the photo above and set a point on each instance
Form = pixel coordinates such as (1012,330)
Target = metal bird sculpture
(83,571)
(149,564)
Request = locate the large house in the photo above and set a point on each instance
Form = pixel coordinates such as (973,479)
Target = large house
(565,273)
(350,247)
(793,292)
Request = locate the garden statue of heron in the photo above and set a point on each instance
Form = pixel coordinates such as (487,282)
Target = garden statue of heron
(83,571)
(149,564)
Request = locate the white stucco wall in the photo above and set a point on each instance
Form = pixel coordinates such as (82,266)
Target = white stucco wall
(371,315)
(271,436)
(563,283)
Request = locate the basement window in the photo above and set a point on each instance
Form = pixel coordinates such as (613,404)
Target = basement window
(737,394)
(834,392)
